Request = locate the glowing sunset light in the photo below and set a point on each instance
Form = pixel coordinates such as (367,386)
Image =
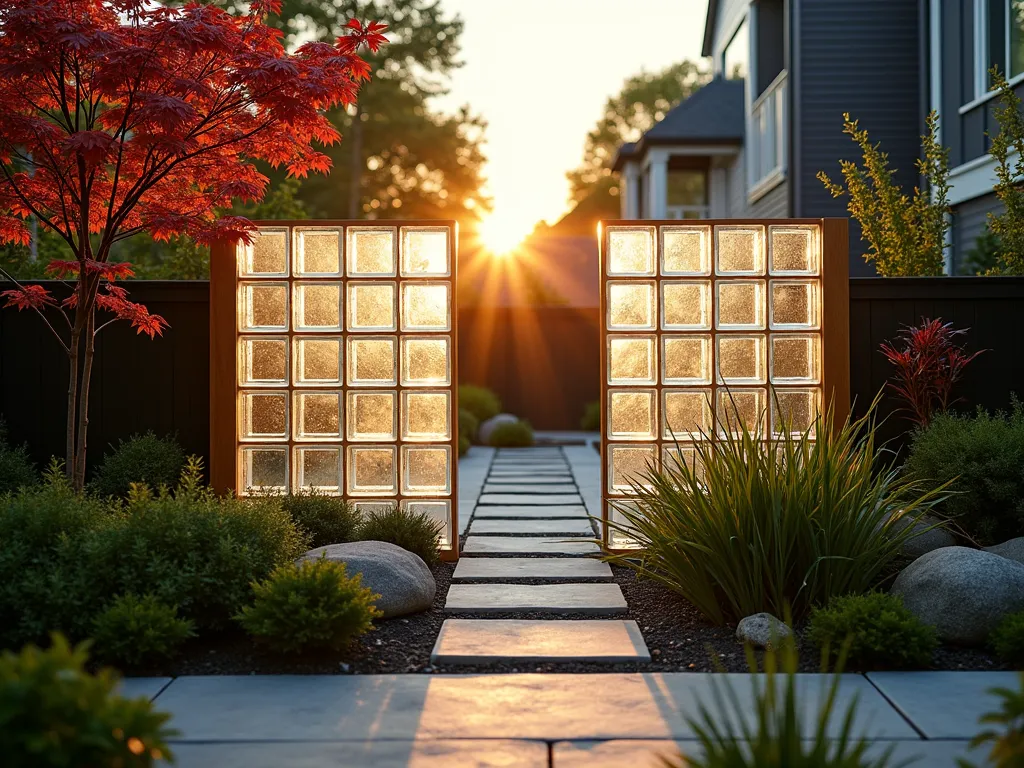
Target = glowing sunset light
(502,234)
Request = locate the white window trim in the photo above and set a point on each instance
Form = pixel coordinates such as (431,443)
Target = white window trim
(982,93)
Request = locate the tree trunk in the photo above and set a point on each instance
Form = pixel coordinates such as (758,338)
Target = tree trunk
(83,401)
(355,180)
(69,446)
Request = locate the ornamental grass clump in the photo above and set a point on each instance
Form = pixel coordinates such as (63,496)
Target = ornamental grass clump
(324,519)
(414,532)
(758,525)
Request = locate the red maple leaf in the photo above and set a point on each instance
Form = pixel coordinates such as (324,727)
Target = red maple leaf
(27,297)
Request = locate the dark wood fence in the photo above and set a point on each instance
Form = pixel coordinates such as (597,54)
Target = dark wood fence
(543,362)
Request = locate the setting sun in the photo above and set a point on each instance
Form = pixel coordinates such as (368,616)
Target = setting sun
(502,234)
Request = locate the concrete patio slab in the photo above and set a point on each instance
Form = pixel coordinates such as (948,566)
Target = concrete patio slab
(516,511)
(515,498)
(943,705)
(138,687)
(526,545)
(570,527)
(366,754)
(488,641)
(592,599)
(528,489)
(550,568)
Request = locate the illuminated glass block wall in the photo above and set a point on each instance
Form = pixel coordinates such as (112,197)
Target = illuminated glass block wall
(346,365)
(699,319)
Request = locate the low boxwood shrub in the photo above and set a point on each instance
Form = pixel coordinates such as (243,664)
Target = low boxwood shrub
(55,714)
(311,606)
(16,468)
(464,445)
(479,401)
(983,456)
(324,519)
(416,532)
(1007,640)
(514,434)
(591,421)
(155,461)
(882,633)
(468,424)
(135,630)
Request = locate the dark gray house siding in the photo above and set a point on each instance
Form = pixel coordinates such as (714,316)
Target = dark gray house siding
(969,220)
(861,57)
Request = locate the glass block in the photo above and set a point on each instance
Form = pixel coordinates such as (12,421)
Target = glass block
(741,359)
(631,360)
(686,359)
(372,416)
(372,361)
(318,467)
(425,307)
(264,468)
(426,361)
(264,361)
(371,306)
(318,362)
(372,470)
(621,539)
(686,305)
(426,470)
(426,416)
(438,511)
(264,415)
(632,414)
(739,305)
(628,464)
(267,256)
(739,250)
(675,457)
(373,506)
(631,250)
(631,306)
(793,250)
(371,251)
(686,414)
(746,407)
(425,252)
(794,358)
(317,415)
(686,250)
(317,306)
(794,304)
(317,252)
(795,411)
(264,307)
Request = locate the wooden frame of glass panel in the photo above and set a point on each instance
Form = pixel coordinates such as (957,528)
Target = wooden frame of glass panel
(702,316)
(334,364)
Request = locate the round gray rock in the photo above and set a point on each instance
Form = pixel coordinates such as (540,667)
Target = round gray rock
(762,630)
(926,540)
(963,593)
(402,579)
(483,434)
(1012,549)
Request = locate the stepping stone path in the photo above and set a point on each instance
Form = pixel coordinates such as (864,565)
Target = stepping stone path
(528,552)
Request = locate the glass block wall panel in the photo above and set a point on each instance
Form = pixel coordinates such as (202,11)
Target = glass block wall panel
(707,327)
(346,364)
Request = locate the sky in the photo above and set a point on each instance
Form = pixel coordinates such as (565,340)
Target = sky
(539,71)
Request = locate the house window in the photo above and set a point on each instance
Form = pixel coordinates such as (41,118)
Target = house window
(998,41)
(687,194)
(736,57)
(1015,46)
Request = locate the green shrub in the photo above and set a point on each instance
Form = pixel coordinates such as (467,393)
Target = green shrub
(464,445)
(311,606)
(16,469)
(155,461)
(479,401)
(324,519)
(1007,640)
(55,714)
(1008,743)
(758,526)
(416,532)
(515,434)
(134,630)
(468,425)
(591,421)
(882,633)
(983,457)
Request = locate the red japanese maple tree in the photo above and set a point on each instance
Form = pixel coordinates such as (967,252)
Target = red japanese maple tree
(123,116)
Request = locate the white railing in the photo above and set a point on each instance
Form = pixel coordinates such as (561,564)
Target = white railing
(687,212)
(767,135)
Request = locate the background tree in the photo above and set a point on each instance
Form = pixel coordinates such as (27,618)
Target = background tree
(1007,226)
(124,116)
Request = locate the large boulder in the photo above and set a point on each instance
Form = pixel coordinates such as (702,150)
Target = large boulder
(1012,549)
(762,630)
(927,538)
(484,431)
(963,593)
(402,579)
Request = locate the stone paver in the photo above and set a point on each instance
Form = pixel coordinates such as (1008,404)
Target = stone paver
(552,499)
(487,641)
(138,687)
(435,753)
(549,568)
(568,527)
(528,490)
(943,705)
(534,478)
(510,511)
(593,599)
(548,471)
(526,545)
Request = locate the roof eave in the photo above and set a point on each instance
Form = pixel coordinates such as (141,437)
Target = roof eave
(709,28)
